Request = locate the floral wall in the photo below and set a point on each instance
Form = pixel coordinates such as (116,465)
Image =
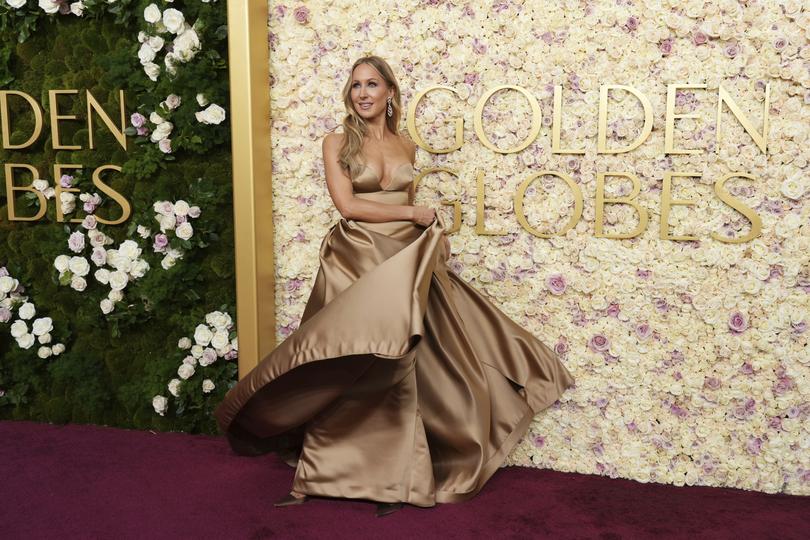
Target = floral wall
(125,324)
(691,356)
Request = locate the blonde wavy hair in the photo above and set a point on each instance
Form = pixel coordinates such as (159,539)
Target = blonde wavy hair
(354,127)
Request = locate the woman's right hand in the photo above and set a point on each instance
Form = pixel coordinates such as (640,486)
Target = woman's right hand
(423,215)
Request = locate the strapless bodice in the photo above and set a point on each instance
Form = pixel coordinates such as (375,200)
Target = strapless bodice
(366,185)
(368,181)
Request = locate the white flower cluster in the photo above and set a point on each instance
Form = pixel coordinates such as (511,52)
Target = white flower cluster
(51,6)
(171,217)
(184,46)
(163,128)
(41,327)
(125,264)
(212,341)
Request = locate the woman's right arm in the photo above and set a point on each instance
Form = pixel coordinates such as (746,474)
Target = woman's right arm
(340,189)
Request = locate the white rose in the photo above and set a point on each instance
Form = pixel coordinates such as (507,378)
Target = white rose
(160,404)
(166,222)
(61,263)
(59,348)
(115,296)
(41,326)
(26,311)
(186,44)
(218,319)
(97,238)
(201,99)
(167,262)
(184,343)
(18,329)
(102,275)
(213,114)
(151,14)
(202,335)
(181,208)
(44,338)
(48,6)
(25,341)
(77,8)
(156,42)
(146,53)
(140,268)
(16,4)
(155,118)
(129,249)
(106,306)
(78,283)
(143,232)
(7,284)
(793,187)
(173,20)
(162,131)
(79,266)
(184,231)
(220,339)
(118,280)
(39,184)
(207,386)
(185,371)
(44,352)
(174,387)
(152,70)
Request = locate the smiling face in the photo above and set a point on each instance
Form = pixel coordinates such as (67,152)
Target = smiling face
(369,92)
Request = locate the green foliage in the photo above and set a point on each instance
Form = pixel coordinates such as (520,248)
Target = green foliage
(114,364)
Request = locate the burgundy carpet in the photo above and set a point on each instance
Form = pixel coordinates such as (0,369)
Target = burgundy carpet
(85,481)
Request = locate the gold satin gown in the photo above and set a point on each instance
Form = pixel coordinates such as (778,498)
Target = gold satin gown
(402,383)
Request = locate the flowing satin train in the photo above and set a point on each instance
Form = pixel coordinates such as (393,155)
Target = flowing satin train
(402,383)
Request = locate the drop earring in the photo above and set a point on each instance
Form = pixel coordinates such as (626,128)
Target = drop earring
(390,110)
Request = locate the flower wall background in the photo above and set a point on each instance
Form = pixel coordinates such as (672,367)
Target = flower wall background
(691,357)
(97,320)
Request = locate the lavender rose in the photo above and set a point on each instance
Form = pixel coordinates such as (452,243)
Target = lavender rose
(556,284)
(598,343)
(737,322)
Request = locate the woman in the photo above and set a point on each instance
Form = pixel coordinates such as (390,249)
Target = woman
(402,384)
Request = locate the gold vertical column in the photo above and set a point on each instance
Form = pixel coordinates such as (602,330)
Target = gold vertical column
(249,76)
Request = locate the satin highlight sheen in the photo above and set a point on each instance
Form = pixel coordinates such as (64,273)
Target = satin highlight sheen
(402,383)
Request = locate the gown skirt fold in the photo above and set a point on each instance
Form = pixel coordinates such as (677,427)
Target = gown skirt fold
(402,383)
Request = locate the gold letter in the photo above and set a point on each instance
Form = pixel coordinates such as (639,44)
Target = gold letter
(4,114)
(478,119)
(521,193)
(557,124)
(55,117)
(669,125)
(11,188)
(667,201)
(411,123)
(601,200)
(761,140)
(118,134)
(479,208)
(726,197)
(112,193)
(601,133)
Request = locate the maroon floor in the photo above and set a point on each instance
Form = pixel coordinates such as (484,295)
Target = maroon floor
(85,481)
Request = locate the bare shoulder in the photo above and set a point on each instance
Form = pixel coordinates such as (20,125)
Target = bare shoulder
(332,141)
